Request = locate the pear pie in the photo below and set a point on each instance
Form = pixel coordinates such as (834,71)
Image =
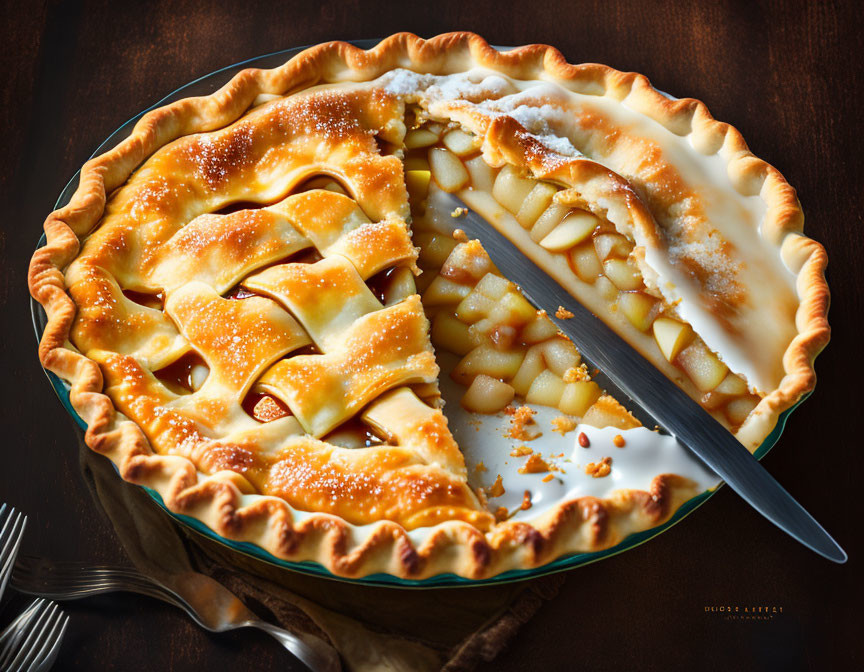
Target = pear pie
(261,301)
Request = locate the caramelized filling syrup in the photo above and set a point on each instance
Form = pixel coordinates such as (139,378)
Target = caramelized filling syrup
(178,376)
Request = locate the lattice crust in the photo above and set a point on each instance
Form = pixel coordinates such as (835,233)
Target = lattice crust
(210,258)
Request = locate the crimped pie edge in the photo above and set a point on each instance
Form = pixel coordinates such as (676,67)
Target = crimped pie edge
(584,524)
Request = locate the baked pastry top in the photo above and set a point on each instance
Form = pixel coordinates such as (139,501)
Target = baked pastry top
(244,296)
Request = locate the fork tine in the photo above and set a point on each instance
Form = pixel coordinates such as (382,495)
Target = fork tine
(45,638)
(27,623)
(50,655)
(32,634)
(10,542)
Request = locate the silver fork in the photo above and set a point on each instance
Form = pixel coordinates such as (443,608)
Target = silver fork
(209,603)
(32,641)
(12,525)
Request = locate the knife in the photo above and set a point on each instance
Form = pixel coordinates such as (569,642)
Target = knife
(648,387)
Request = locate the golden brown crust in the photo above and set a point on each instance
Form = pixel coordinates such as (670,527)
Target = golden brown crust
(586,524)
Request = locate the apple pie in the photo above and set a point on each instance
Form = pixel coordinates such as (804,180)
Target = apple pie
(261,301)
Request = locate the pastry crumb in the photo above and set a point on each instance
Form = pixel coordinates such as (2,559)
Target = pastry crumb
(619,441)
(563,314)
(521,451)
(583,440)
(480,467)
(520,423)
(460,236)
(526,501)
(599,469)
(562,424)
(576,374)
(501,514)
(497,488)
(535,465)
(458,212)
(547,478)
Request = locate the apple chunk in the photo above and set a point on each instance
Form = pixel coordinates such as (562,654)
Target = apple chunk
(451,334)
(638,308)
(482,174)
(579,397)
(546,390)
(487,360)
(420,137)
(460,143)
(572,230)
(535,203)
(447,169)
(510,189)
(487,395)
(702,365)
(671,335)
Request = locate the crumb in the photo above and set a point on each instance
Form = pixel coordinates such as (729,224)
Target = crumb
(460,236)
(501,514)
(599,469)
(562,424)
(526,501)
(535,465)
(520,451)
(619,441)
(576,374)
(458,212)
(497,488)
(563,335)
(563,314)
(547,478)
(583,440)
(522,418)
(480,467)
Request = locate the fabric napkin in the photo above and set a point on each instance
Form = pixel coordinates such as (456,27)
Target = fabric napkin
(373,628)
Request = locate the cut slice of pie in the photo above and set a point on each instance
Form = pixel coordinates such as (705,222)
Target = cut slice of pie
(247,320)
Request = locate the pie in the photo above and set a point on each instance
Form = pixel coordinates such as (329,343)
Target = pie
(260,295)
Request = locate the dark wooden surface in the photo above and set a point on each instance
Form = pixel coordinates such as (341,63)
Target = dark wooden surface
(787,75)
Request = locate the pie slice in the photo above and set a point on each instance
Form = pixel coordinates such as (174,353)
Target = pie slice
(261,303)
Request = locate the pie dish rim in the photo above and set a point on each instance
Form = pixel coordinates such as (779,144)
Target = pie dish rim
(816,343)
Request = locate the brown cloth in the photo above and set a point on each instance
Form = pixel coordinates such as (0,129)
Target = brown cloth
(373,628)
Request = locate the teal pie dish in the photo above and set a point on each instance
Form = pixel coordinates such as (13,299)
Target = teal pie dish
(206,85)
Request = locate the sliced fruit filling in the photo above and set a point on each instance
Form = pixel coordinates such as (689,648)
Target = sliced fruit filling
(508,350)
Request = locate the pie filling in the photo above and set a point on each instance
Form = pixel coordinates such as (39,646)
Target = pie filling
(256,302)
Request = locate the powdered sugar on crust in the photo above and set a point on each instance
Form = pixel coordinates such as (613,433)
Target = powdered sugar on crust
(489,94)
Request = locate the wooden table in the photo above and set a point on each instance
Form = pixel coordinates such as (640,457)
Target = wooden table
(786,76)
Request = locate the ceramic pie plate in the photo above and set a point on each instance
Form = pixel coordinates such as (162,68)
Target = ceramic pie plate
(481,441)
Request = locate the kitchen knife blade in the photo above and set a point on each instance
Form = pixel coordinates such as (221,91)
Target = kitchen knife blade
(648,387)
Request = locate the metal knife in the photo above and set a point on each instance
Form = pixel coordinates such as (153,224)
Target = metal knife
(648,387)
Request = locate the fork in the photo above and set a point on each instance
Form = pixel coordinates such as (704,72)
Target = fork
(209,603)
(12,526)
(32,641)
